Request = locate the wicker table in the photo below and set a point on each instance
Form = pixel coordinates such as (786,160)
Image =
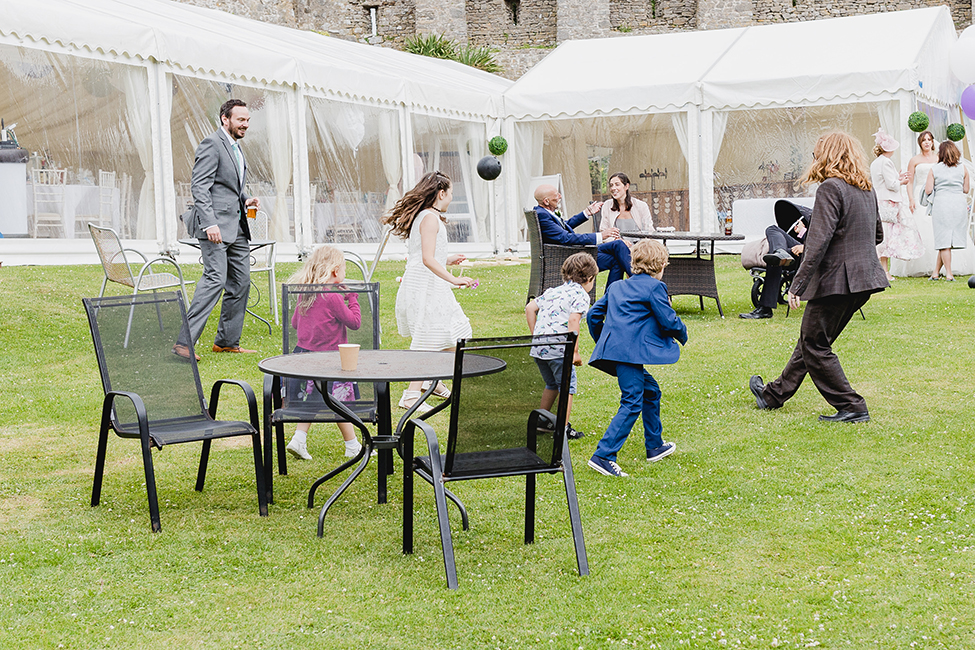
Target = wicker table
(690,275)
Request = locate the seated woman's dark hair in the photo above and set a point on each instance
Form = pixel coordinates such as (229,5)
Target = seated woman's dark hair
(628,200)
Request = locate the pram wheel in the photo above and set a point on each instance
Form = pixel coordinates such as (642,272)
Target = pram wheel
(757,283)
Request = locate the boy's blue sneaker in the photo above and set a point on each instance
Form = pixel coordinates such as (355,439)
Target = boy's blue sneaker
(606,467)
(653,455)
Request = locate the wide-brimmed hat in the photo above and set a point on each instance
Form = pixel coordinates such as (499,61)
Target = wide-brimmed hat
(787,213)
(885,140)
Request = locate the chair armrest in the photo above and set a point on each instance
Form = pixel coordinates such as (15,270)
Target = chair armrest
(533,420)
(433,445)
(356,259)
(140,412)
(148,267)
(248,393)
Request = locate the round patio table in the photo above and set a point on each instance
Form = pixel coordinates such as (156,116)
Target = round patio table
(381,367)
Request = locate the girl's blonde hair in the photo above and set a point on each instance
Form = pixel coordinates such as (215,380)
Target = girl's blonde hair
(648,256)
(839,155)
(418,199)
(318,267)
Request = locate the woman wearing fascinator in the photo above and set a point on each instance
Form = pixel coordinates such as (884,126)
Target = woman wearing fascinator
(901,237)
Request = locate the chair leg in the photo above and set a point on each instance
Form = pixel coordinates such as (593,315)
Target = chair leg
(282,455)
(530,509)
(96,488)
(150,484)
(262,489)
(575,519)
(202,473)
(444,522)
(465,521)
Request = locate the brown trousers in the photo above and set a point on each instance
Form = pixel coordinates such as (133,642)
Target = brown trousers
(822,323)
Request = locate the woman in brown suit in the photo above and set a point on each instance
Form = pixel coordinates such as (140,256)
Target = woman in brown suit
(838,273)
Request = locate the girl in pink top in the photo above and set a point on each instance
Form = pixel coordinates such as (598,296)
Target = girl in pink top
(321,321)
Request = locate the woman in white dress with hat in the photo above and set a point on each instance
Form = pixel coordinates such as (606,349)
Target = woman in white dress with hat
(901,238)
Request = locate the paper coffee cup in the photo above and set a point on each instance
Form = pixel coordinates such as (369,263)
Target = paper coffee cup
(349,355)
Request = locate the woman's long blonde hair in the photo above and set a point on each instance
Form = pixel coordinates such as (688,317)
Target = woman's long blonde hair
(316,270)
(421,197)
(839,155)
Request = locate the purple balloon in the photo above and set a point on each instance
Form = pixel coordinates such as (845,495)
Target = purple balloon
(968,102)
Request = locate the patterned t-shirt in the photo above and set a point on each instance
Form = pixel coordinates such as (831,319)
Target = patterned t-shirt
(554,307)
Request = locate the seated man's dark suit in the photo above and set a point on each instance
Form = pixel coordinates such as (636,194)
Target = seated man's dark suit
(772,289)
(613,256)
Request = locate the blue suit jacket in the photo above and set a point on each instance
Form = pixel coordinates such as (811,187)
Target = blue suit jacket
(634,323)
(556,231)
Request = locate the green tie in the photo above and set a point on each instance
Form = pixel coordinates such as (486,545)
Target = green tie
(240,161)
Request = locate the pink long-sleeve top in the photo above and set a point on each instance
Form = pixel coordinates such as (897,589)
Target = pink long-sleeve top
(323,326)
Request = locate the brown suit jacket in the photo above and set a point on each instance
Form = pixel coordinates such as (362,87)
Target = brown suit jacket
(840,255)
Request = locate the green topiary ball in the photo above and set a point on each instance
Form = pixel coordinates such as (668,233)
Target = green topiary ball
(917,122)
(497,145)
(955,132)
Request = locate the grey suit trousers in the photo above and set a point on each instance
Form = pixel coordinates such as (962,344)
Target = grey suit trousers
(226,271)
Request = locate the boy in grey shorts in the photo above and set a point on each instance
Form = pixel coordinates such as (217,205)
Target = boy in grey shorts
(559,310)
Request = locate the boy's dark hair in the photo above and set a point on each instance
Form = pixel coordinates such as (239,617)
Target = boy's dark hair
(579,268)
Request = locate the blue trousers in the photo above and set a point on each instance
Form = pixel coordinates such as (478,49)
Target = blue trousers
(639,392)
(615,257)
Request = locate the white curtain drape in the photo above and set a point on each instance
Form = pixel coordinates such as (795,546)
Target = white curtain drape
(392,159)
(887,115)
(278,146)
(136,83)
(719,124)
(473,146)
(680,128)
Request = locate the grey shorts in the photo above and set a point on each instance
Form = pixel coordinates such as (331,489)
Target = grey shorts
(551,370)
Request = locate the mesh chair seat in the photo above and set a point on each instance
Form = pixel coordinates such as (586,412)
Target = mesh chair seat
(154,281)
(186,430)
(502,462)
(321,413)
(149,389)
(497,428)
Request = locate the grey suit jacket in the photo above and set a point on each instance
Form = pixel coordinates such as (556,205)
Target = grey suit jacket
(840,255)
(218,192)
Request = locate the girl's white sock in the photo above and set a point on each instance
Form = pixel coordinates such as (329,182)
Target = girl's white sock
(300,436)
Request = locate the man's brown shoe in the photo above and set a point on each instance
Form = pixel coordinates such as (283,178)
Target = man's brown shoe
(236,348)
(183,351)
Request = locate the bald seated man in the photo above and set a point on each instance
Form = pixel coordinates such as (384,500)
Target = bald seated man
(613,253)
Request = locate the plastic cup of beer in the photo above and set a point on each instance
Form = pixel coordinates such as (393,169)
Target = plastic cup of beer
(252,212)
(349,355)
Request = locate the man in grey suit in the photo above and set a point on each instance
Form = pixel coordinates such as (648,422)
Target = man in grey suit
(219,220)
(839,272)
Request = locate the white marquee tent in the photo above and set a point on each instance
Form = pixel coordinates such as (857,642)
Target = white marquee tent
(735,108)
(131,86)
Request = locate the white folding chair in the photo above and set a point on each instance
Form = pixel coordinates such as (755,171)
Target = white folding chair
(48,187)
(263,259)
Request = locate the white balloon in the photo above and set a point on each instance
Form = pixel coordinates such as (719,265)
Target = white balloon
(962,58)
(968,33)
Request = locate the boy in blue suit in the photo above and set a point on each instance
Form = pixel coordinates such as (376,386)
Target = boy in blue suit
(633,324)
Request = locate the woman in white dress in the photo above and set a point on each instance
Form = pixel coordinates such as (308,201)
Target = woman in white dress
(623,207)
(947,185)
(917,175)
(901,239)
(426,310)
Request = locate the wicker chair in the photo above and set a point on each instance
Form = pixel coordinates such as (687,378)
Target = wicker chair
(547,259)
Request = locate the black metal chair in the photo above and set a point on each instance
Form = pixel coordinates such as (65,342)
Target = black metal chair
(497,429)
(162,400)
(291,400)
(547,259)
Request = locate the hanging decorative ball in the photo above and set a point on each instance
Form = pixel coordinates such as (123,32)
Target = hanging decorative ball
(489,168)
(971,282)
(918,121)
(497,145)
(955,132)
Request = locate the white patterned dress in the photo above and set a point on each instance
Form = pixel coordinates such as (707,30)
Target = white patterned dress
(426,310)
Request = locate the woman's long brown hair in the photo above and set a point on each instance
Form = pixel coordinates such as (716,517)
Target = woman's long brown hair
(839,155)
(415,201)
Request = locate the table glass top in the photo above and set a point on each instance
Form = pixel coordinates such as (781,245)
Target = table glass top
(379,365)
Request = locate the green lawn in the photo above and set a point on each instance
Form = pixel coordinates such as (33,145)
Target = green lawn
(765,529)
